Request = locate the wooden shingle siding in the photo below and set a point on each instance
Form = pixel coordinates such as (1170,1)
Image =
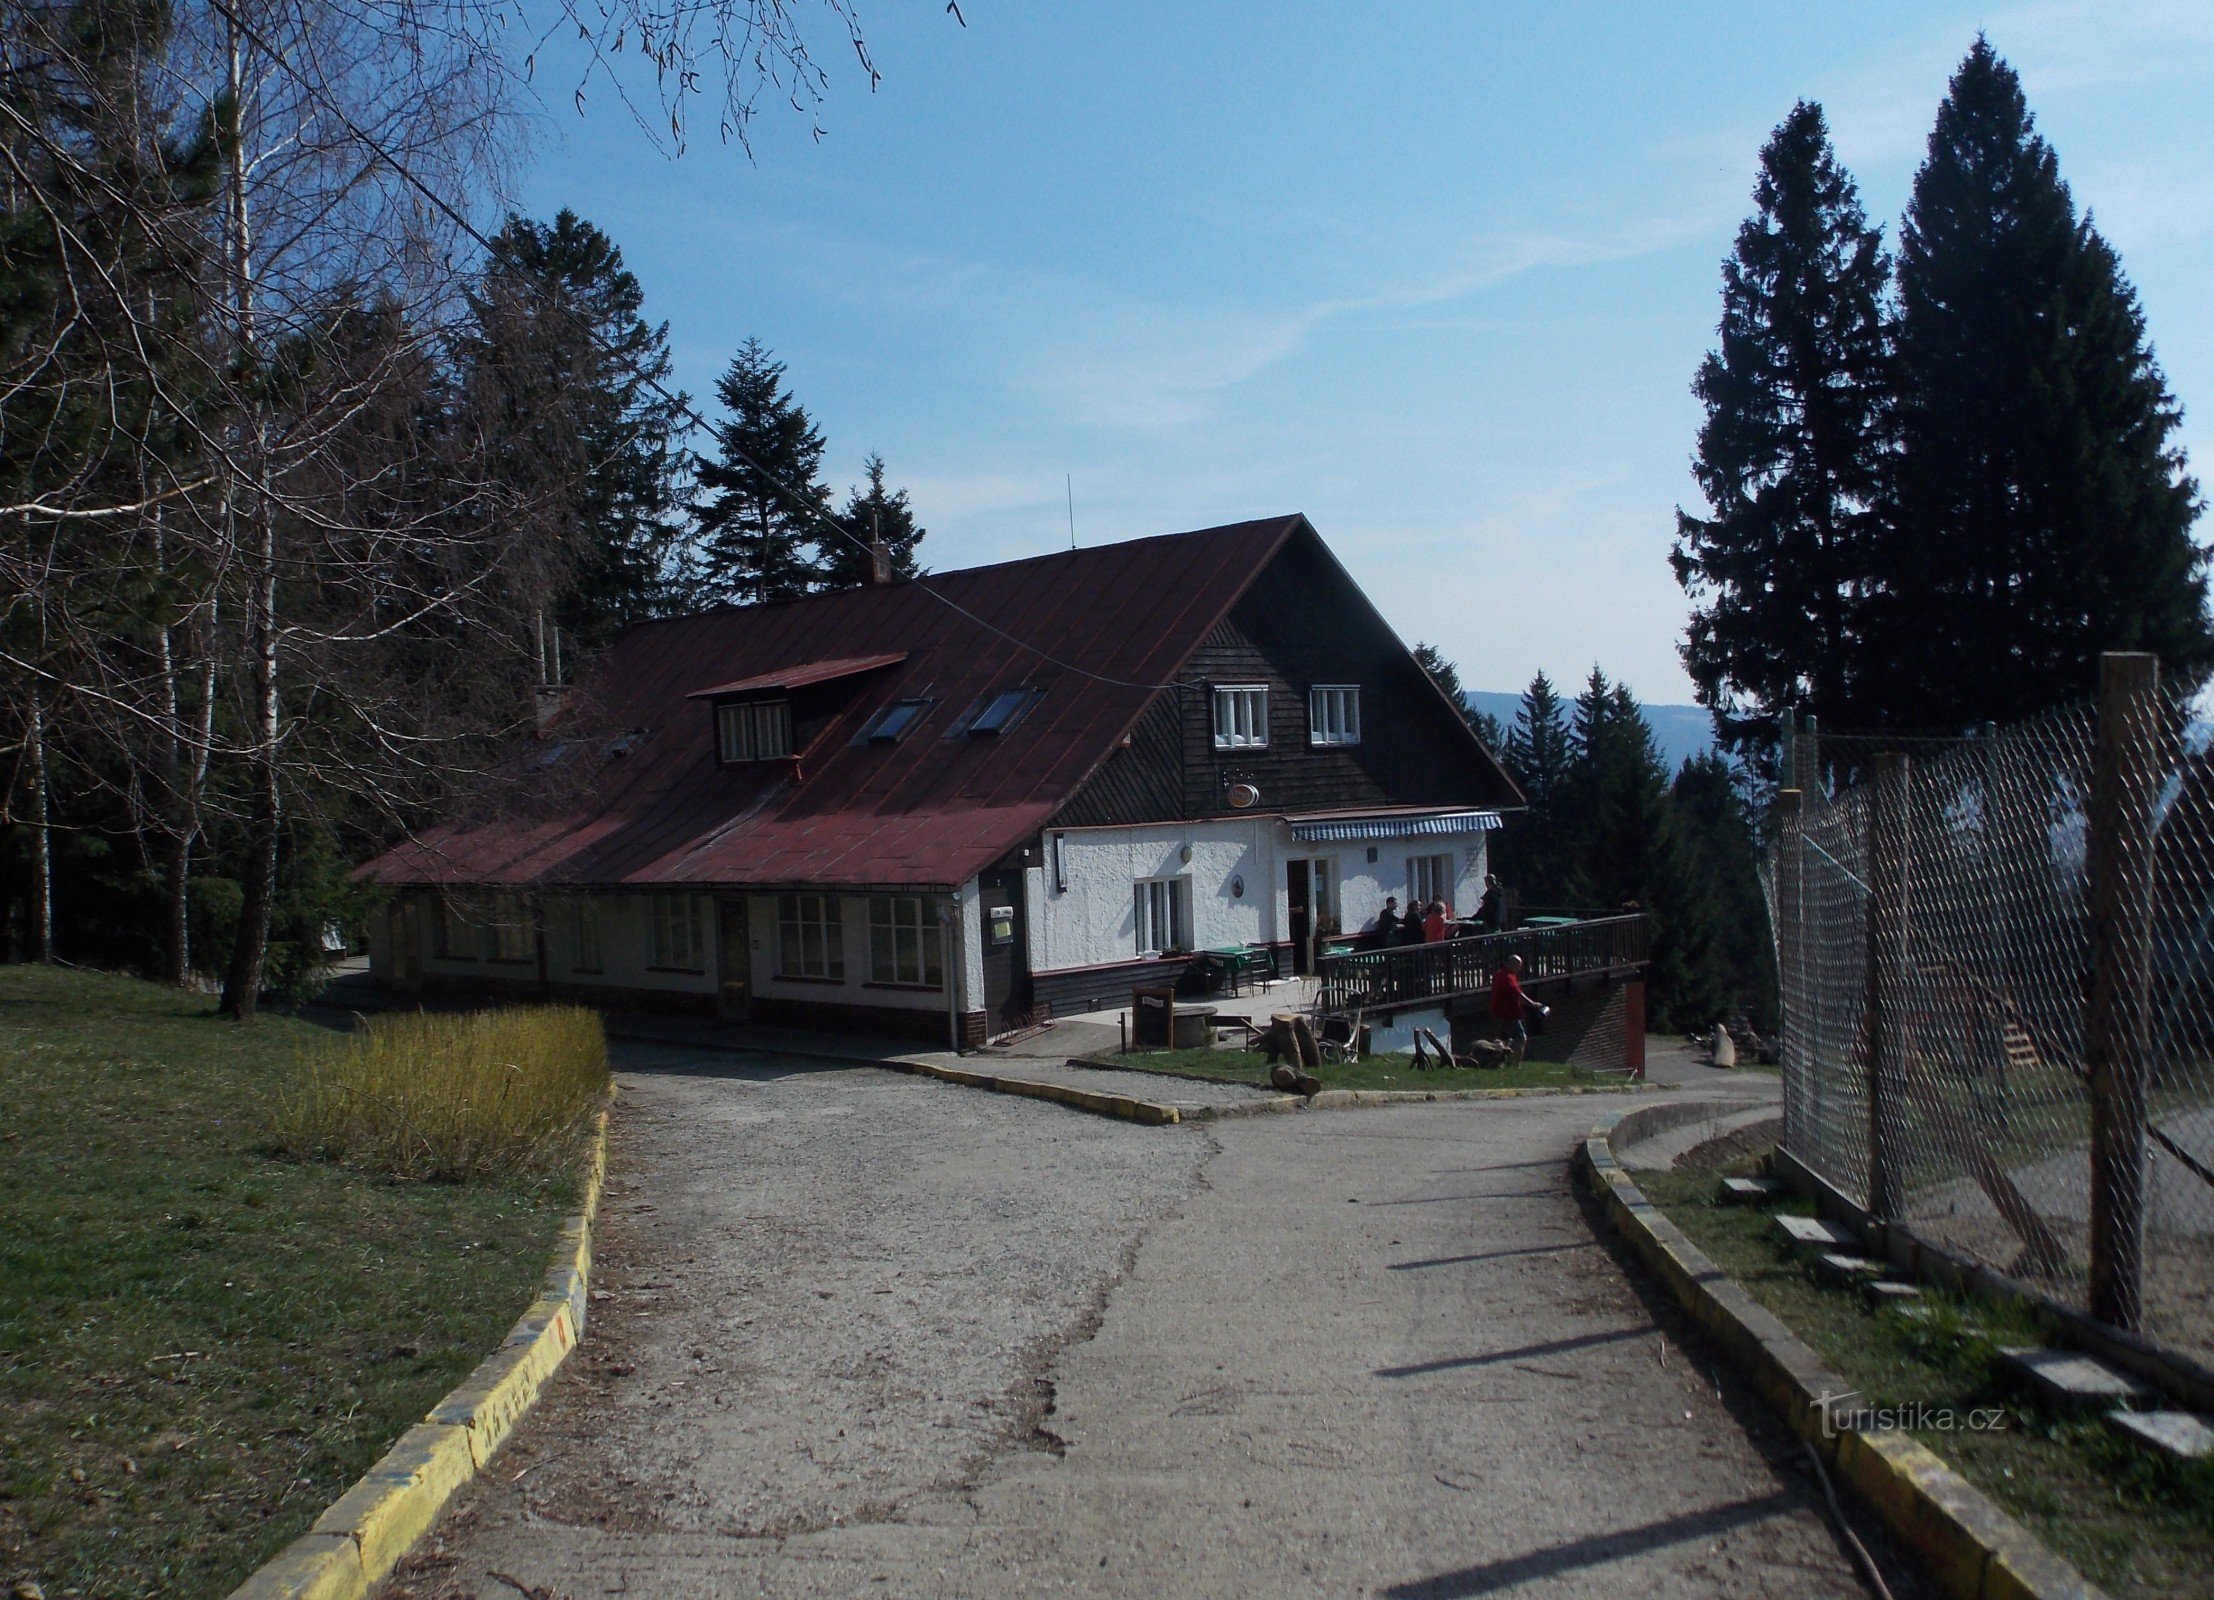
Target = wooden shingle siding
(1301,623)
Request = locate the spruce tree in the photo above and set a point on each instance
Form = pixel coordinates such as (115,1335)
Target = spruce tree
(1537,750)
(871,513)
(2040,511)
(1714,814)
(572,380)
(1627,849)
(1791,454)
(761,523)
(1447,677)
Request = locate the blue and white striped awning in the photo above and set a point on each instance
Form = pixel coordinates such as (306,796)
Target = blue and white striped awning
(1405,825)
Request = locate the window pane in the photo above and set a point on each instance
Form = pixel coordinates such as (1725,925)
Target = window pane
(933,942)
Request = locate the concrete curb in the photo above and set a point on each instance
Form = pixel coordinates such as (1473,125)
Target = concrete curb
(365,1532)
(1099,1104)
(1974,1550)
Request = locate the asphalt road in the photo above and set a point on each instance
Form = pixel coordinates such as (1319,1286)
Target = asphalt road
(863,1334)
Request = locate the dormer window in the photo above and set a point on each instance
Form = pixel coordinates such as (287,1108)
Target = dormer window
(754,730)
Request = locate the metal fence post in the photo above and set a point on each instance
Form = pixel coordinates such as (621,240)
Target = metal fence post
(2124,776)
(1889,856)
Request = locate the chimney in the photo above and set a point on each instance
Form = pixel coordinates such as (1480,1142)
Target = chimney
(880,554)
(550,699)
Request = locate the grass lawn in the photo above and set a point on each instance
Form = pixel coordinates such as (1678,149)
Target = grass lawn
(1376,1072)
(2128,1520)
(202,1344)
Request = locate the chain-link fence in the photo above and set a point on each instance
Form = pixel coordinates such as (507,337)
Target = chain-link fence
(1997,961)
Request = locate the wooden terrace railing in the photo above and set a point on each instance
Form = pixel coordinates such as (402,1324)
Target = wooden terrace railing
(1370,979)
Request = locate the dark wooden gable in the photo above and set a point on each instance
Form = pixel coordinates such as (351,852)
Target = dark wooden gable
(1301,622)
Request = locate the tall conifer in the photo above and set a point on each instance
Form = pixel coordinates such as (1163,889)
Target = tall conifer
(761,523)
(1790,457)
(2041,512)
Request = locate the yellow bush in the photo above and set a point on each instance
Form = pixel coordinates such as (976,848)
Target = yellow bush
(453,1096)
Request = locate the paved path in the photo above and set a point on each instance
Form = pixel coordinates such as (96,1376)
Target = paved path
(876,1335)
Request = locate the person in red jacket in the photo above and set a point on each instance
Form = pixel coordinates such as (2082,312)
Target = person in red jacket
(1434,927)
(1509,1005)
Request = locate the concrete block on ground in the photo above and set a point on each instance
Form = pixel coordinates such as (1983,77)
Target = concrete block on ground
(2072,1381)
(2178,1435)
(1813,1236)
(1751,1191)
(1889,1292)
(1842,1269)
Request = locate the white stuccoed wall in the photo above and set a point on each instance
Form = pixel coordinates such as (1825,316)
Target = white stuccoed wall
(1093,922)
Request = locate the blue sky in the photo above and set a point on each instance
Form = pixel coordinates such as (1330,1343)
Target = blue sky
(1436,275)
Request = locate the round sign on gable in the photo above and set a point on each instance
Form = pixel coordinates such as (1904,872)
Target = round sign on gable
(1243,796)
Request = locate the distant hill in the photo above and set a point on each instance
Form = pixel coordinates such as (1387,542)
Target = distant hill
(1681,731)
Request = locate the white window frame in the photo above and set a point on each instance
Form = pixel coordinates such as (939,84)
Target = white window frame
(676,942)
(906,945)
(1158,900)
(591,947)
(753,730)
(811,937)
(1241,716)
(1431,877)
(1334,714)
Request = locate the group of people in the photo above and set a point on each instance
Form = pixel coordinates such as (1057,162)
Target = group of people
(1428,924)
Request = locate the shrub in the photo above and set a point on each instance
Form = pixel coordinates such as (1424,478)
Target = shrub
(482,1094)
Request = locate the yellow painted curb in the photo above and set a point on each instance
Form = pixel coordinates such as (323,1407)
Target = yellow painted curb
(366,1531)
(1973,1549)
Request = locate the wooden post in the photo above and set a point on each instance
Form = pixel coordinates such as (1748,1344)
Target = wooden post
(1889,857)
(2125,774)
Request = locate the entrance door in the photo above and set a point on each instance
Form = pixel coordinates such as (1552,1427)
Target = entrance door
(1312,888)
(733,959)
(1007,1003)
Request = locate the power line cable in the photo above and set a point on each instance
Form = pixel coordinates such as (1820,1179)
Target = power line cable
(680,401)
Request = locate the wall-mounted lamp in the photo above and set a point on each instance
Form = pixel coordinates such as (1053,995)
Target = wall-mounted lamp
(1237,888)
(1185,855)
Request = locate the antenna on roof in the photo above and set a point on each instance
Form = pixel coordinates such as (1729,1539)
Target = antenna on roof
(1071,482)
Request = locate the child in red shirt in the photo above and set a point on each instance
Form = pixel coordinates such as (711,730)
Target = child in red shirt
(1510,1005)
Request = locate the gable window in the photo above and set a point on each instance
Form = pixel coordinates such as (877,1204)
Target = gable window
(1334,714)
(508,935)
(905,944)
(1429,878)
(810,937)
(590,957)
(893,722)
(676,933)
(1241,716)
(1164,914)
(754,730)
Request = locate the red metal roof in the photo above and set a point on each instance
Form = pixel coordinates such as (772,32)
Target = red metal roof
(1096,632)
(800,677)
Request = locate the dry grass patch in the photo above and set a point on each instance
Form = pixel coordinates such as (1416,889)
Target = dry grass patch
(482,1094)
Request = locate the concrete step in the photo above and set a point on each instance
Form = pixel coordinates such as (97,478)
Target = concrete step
(1841,1269)
(2178,1435)
(2071,1381)
(1888,1292)
(1751,1191)
(1813,1236)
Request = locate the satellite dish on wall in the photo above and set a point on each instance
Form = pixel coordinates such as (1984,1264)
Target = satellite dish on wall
(1244,797)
